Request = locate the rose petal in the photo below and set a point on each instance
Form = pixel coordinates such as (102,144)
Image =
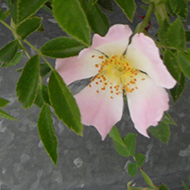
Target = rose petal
(83,66)
(117,32)
(98,109)
(147,104)
(76,68)
(143,54)
(115,42)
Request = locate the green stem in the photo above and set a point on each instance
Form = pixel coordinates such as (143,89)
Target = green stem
(28,43)
(160,12)
(26,52)
(16,36)
(5,24)
(140,167)
(39,53)
(150,10)
(41,80)
(47,62)
(14,27)
(141,26)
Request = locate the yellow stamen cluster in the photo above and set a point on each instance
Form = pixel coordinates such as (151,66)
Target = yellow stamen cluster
(115,74)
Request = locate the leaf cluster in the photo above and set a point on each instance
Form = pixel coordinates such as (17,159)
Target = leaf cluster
(127,147)
(76,17)
(79,19)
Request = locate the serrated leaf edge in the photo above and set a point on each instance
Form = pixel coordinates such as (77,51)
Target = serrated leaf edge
(69,32)
(51,123)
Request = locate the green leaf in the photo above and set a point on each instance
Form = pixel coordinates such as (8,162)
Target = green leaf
(171,62)
(139,159)
(72,19)
(8,52)
(93,1)
(162,32)
(187,34)
(106,4)
(178,7)
(27,85)
(62,47)
(145,7)
(6,115)
(161,132)
(176,35)
(47,133)
(122,150)
(115,135)
(128,7)
(130,142)
(169,8)
(64,103)
(185,186)
(160,11)
(16,59)
(2,15)
(177,91)
(184,63)
(39,101)
(147,179)
(44,69)
(159,2)
(146,1)
(28,8)
(13,9)
(132,169)
(163,187)
(42,95)
(168,119)
(97,19)
(41,28)
(45,94)
(3,102)
(48,8)
(28,27)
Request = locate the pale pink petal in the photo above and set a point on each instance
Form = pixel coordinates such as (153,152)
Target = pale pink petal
(83,65)
(98,109)
(147,104)
(76,68)
(143,54)
(114,42)
(117,32)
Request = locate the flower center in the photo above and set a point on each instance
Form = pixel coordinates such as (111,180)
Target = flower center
(116,74)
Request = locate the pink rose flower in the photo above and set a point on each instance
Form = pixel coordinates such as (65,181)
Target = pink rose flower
(119,67)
